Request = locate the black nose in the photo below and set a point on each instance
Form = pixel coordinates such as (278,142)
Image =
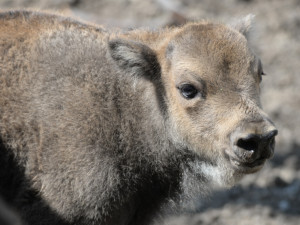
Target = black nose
(254,146)
(253,141)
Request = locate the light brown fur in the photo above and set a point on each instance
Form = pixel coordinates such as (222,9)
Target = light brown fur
(96,129)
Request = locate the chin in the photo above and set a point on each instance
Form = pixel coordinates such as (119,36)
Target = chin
(200,178)
(223,175)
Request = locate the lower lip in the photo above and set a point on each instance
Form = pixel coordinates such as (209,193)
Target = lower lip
(248,167)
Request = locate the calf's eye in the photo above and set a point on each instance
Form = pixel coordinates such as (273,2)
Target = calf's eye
(188,91)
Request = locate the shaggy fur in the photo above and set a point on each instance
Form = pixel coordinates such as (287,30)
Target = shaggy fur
(94,129)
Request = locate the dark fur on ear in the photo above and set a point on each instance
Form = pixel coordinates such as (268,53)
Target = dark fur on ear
(135,58)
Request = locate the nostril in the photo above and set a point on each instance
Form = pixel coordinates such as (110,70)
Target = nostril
(272,143)
(270,136)
(252,146)
(248,143)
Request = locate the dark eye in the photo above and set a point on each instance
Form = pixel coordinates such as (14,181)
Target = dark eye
(188,91)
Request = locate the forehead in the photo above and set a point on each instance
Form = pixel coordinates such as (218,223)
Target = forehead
(211,49)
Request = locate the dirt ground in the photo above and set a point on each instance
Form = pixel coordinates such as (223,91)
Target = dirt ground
(271,197)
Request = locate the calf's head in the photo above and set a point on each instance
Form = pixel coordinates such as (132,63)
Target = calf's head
(212,82)
(213,85)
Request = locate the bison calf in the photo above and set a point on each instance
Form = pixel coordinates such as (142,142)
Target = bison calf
(100,127)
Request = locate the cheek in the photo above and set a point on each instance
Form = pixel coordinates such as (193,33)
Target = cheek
(195,126)
(214,123)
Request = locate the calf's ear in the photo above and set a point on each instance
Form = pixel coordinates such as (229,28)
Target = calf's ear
(244,25)
(134,58)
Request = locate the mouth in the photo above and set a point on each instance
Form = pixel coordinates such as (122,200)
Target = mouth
(245,167)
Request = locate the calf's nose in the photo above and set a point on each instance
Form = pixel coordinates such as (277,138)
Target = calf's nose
(251,146)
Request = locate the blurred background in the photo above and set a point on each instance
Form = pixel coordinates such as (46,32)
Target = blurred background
(273,195)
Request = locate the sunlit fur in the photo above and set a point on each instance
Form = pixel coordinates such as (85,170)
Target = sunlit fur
(94,129)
